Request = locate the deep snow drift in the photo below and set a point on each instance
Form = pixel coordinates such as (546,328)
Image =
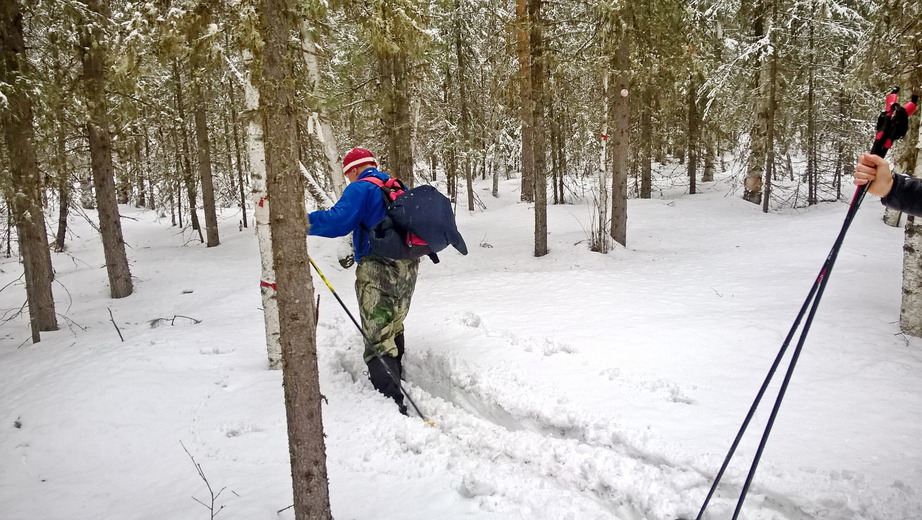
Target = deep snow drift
(574,386)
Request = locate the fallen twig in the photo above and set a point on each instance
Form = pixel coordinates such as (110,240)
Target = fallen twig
(156,322)
(112,318)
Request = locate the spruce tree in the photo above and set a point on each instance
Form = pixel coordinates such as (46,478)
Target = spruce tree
(26,189)
(288,221)
(93,55)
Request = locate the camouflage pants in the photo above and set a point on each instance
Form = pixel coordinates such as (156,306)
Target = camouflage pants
(384,289)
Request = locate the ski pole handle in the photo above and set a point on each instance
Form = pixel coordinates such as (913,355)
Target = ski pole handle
(893,122)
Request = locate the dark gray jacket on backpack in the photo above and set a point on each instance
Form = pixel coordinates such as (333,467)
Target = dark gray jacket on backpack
(905,195)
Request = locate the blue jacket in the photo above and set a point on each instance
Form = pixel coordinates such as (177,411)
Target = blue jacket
(362,204)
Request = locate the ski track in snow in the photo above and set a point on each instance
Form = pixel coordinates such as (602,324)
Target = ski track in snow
(506,438)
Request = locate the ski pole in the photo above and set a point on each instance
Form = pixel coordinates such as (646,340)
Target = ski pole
(362,332)
(892,125)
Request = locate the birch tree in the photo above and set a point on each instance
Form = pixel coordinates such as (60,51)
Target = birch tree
(255,143)
(911,302)
(898,63)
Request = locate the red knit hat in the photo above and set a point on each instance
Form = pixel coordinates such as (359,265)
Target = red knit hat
(357,156)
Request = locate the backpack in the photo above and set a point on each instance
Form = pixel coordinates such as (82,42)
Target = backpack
(418,222)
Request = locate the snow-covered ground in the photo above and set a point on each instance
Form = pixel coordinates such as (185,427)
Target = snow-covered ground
(573,386)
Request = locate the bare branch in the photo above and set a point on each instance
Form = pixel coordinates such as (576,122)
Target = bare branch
(214,496)
(112,319)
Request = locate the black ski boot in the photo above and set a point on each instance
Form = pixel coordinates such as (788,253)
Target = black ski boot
(385,379)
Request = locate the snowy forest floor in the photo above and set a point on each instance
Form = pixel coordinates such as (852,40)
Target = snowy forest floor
(574,386)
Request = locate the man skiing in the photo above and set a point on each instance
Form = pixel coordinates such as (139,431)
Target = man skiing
(384,287)
(899,192)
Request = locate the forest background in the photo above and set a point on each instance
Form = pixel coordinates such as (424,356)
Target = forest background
(185,107)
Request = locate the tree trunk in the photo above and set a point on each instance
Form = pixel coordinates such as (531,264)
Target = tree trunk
(141,167)
(93,56)
(599,234)
(812,174)
(204,165)
(911,307)
(151,201)
(646,146)
(188,178)
(26,178)
(241,181)
(536,44)
(911,302)
(709,157)
(9,233)
(452,174)
(198,64)
(288,222)
(64,183)
(770,119)
(389,115)
(495,187)
(555,145)
(752,186)
(451,149)
(123,186)
(693,132)
(469,183)
(62,163)
(843,157)
(255,141)
(175,181)
(523,53)
(555,152)
(228,150)
(562,160)
(404,129)
(397,127)
(464,122)
(620,119)
(64,194)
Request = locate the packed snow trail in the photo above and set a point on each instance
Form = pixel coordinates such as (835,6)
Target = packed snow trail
(507,440)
